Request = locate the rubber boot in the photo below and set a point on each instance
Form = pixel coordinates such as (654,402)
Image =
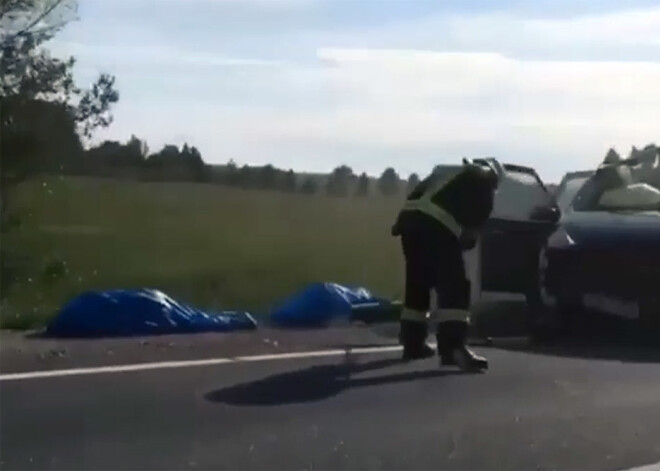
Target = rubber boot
(413,338)
(444,345)
(453,350)
(467,360)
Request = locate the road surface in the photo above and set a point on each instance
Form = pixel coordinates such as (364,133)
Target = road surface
(597,409)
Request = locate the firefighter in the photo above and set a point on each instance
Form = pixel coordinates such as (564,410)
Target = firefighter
(439,221)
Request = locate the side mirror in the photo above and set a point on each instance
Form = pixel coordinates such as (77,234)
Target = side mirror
(546,214)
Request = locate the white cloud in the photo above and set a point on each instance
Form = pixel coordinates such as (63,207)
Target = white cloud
(410,98)
(111,56)
(638,27)
(414,106)
(619,34)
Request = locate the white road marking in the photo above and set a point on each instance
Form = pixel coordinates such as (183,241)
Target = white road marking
(193,363)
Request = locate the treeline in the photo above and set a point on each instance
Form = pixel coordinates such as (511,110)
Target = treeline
(341,182)
(132,160)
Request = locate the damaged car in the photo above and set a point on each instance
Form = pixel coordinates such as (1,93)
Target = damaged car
(586,255)
(601,262)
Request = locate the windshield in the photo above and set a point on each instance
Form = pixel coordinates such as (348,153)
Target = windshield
(619,188)
(566,194)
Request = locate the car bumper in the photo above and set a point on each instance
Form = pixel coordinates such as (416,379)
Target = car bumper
(621,283)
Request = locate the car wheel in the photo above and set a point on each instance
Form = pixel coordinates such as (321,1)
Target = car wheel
(548,320)
(542,322)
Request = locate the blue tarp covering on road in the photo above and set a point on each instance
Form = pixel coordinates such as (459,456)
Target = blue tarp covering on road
(319,304)
(139,312)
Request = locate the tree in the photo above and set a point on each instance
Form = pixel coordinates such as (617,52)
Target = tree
(36,136)
(36,88)
(310,186)
(137,147)
(362,185)
(172,164)
(30,72)
(231,174)
(185,151)
(339,180)
(266,177)
(200,171)
(168,155)
(112,158)
(413,181)
(30,77)
(388,183)
(290,181)
(246,177)
(93,109)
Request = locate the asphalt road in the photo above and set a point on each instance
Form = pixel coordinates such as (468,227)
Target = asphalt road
(580,410)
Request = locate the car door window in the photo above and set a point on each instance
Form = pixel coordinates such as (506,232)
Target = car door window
(519,193)
(512,238)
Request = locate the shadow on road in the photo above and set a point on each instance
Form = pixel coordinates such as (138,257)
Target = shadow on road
(317,383)
(499,319)
(596,338)
(629,350)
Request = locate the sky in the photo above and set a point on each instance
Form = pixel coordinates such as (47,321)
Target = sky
(408,84)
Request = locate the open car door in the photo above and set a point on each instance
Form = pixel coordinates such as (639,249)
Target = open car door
(525,213)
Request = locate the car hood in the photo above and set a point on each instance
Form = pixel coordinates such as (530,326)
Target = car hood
(605,229)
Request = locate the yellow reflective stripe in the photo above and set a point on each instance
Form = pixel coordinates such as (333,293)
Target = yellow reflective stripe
(427,206)
(460,315)
(408,314)
(436,212)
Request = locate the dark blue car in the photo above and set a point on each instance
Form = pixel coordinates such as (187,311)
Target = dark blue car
(598,259)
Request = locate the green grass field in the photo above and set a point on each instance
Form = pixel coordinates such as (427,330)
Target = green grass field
(212,246)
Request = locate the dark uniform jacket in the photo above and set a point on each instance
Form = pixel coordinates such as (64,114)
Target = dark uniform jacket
(468,197)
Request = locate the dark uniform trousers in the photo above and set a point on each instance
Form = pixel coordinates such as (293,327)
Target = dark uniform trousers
(434,265)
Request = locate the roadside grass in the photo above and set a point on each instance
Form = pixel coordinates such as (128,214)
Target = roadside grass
(212,246)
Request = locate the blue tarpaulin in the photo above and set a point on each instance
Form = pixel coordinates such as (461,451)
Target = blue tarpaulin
(319,304)
(139,312)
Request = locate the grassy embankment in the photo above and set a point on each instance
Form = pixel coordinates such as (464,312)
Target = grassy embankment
(212,246)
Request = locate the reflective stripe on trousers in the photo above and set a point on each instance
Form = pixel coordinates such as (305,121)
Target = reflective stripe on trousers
(449,315)
(440,315)
(408,314)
